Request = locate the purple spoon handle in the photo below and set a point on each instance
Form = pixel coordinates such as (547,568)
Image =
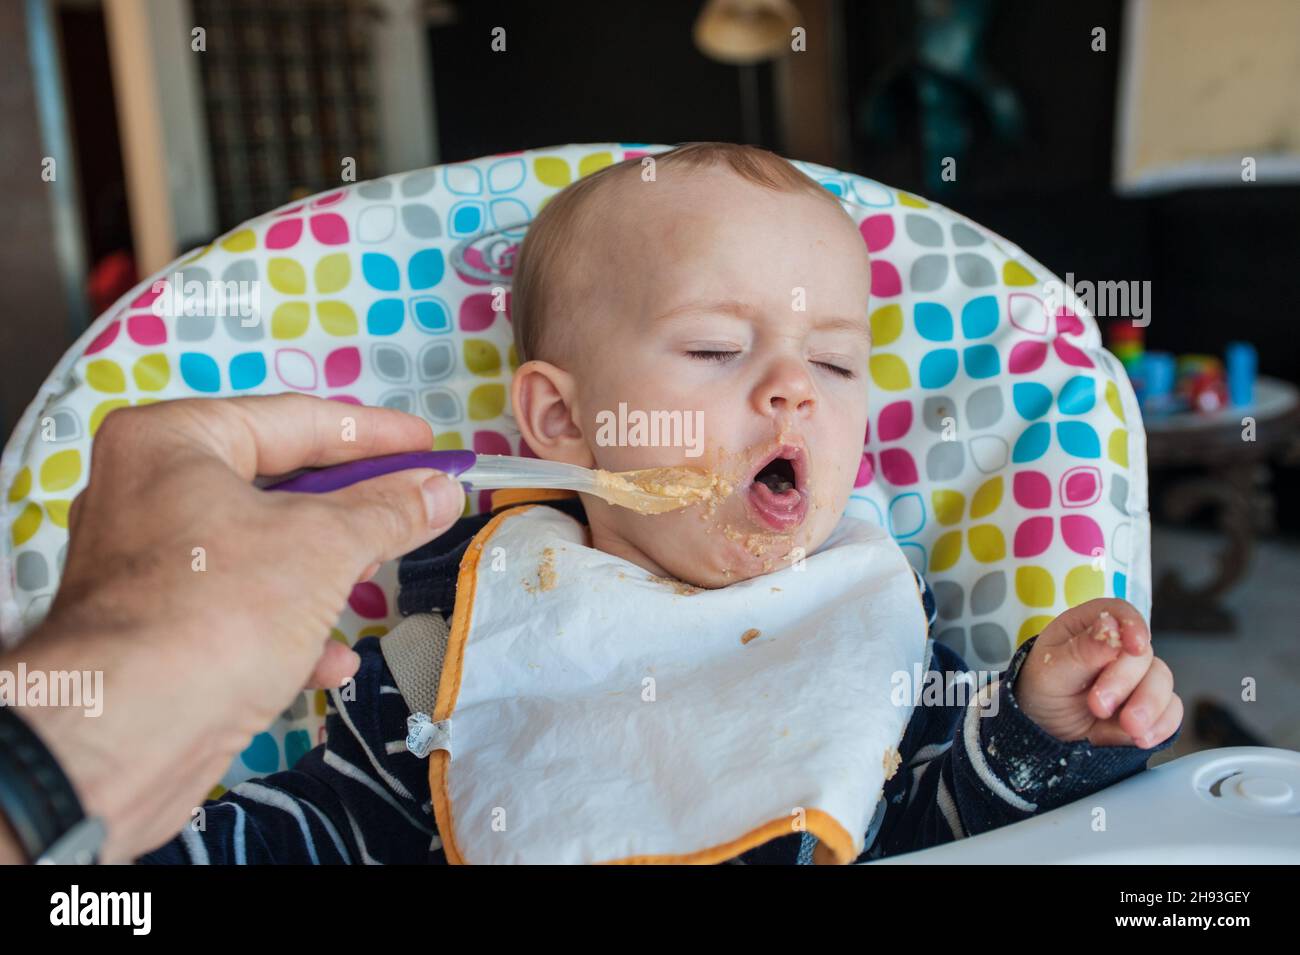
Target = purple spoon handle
(332,478)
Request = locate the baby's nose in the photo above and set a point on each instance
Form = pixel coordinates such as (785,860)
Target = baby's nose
(787,388)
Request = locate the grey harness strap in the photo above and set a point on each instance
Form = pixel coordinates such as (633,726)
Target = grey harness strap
(414,651)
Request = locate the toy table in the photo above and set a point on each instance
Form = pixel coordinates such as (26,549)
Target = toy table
(1235,479)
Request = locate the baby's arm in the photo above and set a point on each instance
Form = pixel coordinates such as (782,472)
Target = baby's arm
(967,769)
(359,797)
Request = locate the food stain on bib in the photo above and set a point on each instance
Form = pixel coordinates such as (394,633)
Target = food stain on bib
(679,587)
(892,760)
(546,577)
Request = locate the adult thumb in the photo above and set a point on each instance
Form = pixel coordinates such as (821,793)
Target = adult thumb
(394,514)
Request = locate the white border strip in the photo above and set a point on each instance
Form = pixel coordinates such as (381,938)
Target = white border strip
(1213,173)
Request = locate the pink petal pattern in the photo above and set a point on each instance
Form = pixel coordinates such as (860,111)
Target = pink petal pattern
(1032,489)
(895,421)
(1026,357)
(284,235)
(367,600)
(897,467)
(885,282)
(104,338)
(866,471)
(1033,537)
(1082,535)
(877,232)
(146,329)
(342,367)
(329,229)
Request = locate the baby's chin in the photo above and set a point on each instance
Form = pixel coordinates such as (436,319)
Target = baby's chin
(724,554)
(717,543)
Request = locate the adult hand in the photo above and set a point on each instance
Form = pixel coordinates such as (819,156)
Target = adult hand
(207,602)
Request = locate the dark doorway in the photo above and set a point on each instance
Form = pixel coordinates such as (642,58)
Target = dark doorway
(601,72)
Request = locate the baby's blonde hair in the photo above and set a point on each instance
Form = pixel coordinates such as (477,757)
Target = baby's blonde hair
(551,234)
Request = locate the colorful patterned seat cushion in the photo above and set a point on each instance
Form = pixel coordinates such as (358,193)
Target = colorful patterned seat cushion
(1004,450)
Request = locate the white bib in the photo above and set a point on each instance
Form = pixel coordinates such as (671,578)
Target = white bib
(597,714)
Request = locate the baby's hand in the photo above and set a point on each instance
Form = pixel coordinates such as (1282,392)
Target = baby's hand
(1091,674)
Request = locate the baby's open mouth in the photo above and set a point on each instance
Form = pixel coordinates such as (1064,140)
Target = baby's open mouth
(776,489)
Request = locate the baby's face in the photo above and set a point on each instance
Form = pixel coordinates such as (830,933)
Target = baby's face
(745,310)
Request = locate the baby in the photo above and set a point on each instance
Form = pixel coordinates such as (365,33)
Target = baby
(580,682)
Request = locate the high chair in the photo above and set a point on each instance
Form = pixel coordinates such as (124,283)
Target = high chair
(1004,450)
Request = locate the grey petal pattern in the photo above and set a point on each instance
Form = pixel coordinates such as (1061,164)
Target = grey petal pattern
(929,272)
(65,425)
(421,221)
(400,400)
(437,361)
(936,410)
(964,236)
(418,183)
(988,593)
(991,642)
(1119,492)
(975,270)
(31,571)
(948,598)
(442,406)
(923,230)
(945,460)
(375,189)
(195,328)
(391,363)
(984,407)
(243,271)
(953,638)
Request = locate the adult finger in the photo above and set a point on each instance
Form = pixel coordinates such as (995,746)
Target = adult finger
(391,515)
(336,664)
(276,434)
(74,513)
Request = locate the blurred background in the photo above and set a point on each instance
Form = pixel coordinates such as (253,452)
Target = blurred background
(1133,141)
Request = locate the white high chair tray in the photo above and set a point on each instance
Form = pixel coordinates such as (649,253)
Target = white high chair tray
(1233,806)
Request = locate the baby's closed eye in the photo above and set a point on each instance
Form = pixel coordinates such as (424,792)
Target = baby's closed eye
(725,355)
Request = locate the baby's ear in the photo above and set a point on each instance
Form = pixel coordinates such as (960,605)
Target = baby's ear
(542,397)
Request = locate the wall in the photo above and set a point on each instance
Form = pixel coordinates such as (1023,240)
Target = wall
(34,330)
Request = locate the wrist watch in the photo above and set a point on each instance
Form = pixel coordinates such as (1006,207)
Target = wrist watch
(37,799)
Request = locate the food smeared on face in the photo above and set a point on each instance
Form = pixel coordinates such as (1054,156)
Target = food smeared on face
(774,488)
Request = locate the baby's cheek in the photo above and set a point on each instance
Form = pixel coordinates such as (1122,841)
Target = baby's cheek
(831,493)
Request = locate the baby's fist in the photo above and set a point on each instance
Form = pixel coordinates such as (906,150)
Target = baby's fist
(1092,675)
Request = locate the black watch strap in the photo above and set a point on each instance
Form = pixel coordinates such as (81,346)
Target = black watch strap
(37,798)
